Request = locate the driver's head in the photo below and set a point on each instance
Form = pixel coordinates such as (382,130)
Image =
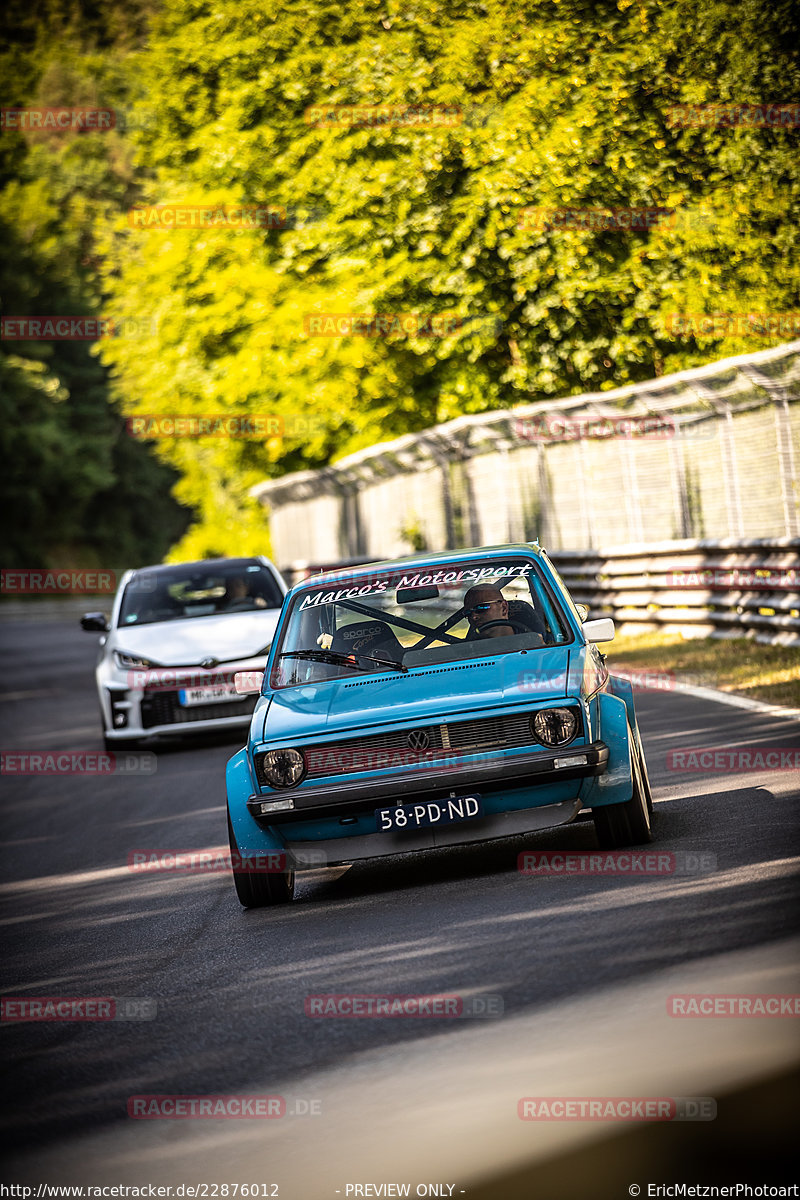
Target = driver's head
(484,603)
(237,588)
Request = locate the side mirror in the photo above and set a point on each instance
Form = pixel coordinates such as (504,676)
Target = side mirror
(583,611)
(247,683)
(601,630)
(94,622)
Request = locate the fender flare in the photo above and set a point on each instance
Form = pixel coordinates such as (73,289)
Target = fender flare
(251,838)
(615,785)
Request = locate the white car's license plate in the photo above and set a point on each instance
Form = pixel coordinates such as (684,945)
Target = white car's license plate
(212,694)
(429,812)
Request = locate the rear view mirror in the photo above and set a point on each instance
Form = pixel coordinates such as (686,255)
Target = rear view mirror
(412,595)
(94,622)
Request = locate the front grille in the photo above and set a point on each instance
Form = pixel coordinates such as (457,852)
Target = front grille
(164,708)
(391,749)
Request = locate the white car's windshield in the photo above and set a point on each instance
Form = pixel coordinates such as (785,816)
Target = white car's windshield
(193,590)
(396,620)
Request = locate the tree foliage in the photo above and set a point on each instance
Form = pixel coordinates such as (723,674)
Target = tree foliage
(560,103)
(75,488)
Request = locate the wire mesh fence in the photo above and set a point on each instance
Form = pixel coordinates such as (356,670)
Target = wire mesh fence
(704,454)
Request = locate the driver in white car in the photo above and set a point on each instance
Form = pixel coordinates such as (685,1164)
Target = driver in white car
(237,596)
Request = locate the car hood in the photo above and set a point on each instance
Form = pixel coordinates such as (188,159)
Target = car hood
(186,642)
(424,694)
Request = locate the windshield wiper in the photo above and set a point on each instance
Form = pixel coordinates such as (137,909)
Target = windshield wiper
(344,660)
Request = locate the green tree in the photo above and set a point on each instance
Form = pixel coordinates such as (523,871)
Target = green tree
(562,103)
(75,489)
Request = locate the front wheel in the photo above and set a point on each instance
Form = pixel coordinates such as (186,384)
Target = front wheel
(257,889)
(627,824)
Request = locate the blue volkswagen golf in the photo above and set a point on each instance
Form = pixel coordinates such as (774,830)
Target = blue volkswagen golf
(427,702)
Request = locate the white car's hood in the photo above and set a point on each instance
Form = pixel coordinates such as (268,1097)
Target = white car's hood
(187,642)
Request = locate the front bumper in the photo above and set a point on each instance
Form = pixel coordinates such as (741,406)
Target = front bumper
(141,712)
(332,852)
(539,767)
(200,725)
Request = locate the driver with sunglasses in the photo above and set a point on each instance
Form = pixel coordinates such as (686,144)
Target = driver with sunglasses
(486,609)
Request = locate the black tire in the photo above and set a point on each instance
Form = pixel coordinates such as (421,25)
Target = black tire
(627,824)
(257,889)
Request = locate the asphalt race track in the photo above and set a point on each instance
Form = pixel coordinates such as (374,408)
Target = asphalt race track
(584,965)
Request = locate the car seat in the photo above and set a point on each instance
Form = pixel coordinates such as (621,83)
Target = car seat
(371,637)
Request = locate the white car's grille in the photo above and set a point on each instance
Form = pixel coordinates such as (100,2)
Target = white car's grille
(164,708)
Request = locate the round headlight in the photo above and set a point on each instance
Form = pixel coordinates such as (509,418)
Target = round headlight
(554,726)
(283,768)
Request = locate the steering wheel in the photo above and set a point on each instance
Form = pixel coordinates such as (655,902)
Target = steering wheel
(517,626)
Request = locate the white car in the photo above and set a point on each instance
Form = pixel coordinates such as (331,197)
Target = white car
(176,637)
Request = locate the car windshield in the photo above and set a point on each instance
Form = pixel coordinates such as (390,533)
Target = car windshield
(397,620)
(192,590)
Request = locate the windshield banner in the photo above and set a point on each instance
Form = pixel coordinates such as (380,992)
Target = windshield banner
(377,587)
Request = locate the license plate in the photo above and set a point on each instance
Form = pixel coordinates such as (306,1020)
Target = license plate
(208,695)
(429,812)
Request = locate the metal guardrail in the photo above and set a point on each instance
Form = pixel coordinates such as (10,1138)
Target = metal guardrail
(709,453)
(718,589)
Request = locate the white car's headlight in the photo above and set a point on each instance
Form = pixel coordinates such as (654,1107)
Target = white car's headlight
(131,661)
(554,726)
(282,768)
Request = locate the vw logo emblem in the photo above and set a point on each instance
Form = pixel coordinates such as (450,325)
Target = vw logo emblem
(208,663)
(418,740)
